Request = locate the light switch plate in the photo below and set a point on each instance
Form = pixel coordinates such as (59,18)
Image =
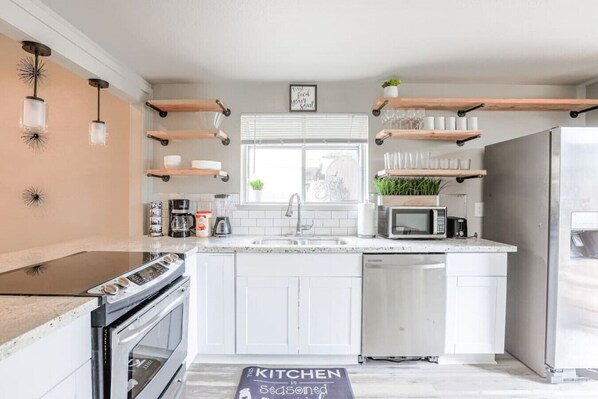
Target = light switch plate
(478,209)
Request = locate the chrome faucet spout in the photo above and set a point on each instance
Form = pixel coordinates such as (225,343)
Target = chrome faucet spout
(289,212)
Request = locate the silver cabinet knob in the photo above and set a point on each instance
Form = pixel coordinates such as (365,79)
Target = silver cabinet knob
(110,289)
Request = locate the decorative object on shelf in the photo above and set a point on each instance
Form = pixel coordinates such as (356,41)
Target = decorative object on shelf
(417,191)
(34,113)
(460,175)
(97,128)
(155,219)
(257,186)
(33,196)
(36,140)
(172,162)
(203,164)
(391,87)
(303,98)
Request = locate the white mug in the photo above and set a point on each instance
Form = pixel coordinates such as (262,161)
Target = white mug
(450,123)
(461,123)
(429,123)
(439,123)
(472,123)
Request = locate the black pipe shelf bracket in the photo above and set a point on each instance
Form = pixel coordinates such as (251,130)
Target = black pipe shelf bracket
(463,112)
(162,114)
(376,111)
(462,179)
(164,178)
(380,141)
(164,142)
(225,111)
(575,114)
(460,143)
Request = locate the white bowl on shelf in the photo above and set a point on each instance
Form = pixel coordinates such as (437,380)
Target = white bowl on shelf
(209,120)
(203,164)
(172,162)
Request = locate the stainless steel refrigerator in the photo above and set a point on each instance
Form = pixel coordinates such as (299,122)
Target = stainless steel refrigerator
(541,194)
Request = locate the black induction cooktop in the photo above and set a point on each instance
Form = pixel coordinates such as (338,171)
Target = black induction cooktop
(72,275)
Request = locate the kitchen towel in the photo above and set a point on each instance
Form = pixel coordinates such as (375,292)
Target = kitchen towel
(284,383)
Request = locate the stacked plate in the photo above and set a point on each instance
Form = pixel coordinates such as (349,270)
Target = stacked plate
(203,164)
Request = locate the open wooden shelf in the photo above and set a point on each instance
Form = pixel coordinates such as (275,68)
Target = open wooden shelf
(165,174)
(195,105)
(459,136)
(164,136)
(575,105)
(461,175)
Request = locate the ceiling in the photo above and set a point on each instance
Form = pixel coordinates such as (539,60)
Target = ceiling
(432,41)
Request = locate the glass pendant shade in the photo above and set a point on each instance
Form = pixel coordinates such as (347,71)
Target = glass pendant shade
(97,133)
(34,115)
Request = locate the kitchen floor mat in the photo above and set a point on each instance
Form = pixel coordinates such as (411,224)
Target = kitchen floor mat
(291,383)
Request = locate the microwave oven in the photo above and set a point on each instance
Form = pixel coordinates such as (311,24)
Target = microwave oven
(412,221)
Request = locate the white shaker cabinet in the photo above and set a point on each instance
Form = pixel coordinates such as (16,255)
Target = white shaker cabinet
(267,315)
(476,303)
(215,303)
(330,315)
(76,386)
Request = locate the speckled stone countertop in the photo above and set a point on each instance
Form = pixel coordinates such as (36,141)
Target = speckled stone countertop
(26,319)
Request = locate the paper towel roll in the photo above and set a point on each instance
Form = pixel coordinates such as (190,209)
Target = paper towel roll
(366,217)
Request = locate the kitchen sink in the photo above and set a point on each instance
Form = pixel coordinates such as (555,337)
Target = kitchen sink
(299,241)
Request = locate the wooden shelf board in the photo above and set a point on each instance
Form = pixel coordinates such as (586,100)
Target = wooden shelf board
(421,134)
(490,104)
(194,105)
(187,134)
(431,173)
(186,172)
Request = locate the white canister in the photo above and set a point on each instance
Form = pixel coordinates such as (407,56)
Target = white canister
(461,123)
(391,91)
(429,123)
(202,223)
(439,123)
(450,123)
(472,123)
(366,220)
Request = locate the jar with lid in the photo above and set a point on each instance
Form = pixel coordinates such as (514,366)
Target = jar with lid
(202,223)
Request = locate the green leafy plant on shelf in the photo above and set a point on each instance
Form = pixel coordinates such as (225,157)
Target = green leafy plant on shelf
(256,184)
(393,81)
(409,186)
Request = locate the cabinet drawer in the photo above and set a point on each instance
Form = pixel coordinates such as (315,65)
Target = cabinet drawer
(476,264)
(299,265)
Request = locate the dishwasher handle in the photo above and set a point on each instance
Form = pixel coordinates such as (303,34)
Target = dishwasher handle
(416,267)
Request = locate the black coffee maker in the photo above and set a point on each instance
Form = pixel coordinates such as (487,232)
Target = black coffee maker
(182,221)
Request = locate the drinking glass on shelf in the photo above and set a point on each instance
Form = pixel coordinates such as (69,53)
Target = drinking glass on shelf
(453,163)
(386,160)
(420,115)
(425,160)
(444,163)
(434,163)
(465,164)
(409,118)
(399,161)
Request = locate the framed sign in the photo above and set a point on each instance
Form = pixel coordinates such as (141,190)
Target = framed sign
(303,98)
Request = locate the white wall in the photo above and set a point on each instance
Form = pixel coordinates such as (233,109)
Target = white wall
(347,97)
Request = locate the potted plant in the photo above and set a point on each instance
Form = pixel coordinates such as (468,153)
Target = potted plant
(257,186)
(391,87)
(417,191)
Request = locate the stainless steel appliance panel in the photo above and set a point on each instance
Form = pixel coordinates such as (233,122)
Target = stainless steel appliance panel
(403,305)
(516,197)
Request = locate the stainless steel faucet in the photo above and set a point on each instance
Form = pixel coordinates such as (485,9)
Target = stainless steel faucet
(289,213)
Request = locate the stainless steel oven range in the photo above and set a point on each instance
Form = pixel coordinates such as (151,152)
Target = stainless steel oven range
(139,332)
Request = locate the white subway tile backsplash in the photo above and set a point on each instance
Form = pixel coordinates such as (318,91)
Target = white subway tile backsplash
(274,214)
(325,231)
(248,222)
(322,215)
(264,222)
(235,222)
(338,214)
(352,231)
(347,222)
(241,214)
(308,214)
(273,231)
(258,231)
(330,222)
(284,222)
(352,214)
(241,230)
(340,231)
(257,214)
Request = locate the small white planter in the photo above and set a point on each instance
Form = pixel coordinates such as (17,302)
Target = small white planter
(391,91)
(255,196)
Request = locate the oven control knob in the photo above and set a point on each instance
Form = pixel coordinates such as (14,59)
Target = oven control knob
(174,257)
(122,282)
(110,289)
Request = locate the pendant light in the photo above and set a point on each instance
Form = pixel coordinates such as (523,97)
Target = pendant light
(34,113)
(97,128)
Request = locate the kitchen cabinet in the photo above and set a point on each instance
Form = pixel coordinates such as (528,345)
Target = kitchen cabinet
(215,303)
(476,303)
(307,304)
(75,386)
(191,270)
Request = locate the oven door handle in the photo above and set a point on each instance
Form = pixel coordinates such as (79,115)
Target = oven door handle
(132,332)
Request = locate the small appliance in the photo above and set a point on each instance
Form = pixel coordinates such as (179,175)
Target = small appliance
(223,205)
(456,227)
(410,222)
(182,221)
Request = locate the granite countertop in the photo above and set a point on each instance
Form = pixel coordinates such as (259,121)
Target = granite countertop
(25,319)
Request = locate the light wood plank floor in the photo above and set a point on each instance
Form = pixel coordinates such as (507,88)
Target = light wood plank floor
(507,379)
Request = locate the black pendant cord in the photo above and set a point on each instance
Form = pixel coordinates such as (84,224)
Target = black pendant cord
(99,104)
(35,72)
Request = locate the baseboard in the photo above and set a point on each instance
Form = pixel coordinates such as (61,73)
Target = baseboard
(336,360)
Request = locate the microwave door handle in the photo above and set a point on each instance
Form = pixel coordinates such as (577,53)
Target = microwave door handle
(434,221)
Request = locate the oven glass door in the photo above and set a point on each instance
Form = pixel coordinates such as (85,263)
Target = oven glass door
(416,222)
(148,348)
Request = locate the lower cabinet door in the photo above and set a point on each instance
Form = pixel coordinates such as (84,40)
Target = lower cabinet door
(267,315)
(216,303)
(75,386)
(330,315)
(476,309)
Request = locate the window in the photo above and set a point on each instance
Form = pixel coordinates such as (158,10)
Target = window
(322,157)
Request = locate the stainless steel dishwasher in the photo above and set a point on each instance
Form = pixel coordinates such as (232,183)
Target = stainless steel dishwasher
(403,305)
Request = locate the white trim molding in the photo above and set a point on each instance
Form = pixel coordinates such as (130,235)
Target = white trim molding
(32,20)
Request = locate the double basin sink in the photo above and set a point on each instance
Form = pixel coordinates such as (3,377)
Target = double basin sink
(300,241)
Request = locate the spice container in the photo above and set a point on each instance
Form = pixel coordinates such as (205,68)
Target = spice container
(202,223)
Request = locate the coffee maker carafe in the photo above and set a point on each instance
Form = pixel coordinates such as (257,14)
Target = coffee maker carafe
(223,205)
(182,221)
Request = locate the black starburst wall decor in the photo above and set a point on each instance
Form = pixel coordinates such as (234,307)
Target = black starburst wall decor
(26,70)
(36,140)
(33,196)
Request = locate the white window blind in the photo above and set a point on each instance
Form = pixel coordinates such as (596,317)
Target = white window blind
(302,128)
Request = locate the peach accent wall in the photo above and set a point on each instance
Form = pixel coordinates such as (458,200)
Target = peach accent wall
(87,188)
